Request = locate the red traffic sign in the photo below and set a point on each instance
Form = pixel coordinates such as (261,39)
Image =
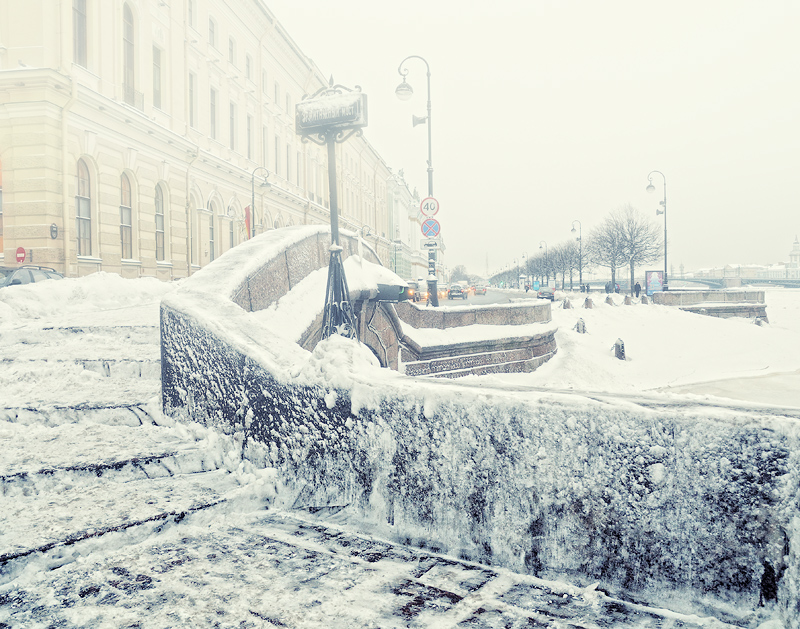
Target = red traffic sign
(20,255)
(429,206)
(431,228)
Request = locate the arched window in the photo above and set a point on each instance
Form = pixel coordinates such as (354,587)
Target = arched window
(79,32)
(128,82)
(212,217)
(83,211)
(159,203)
(194,228)
(126,218)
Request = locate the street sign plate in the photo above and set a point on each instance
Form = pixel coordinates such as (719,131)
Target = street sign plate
(430,228)
(20,255)
(429,207)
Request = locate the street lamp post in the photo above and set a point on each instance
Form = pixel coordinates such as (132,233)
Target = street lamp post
(253,197)
(404,91)
(651,188)
(546,270)
(580,251)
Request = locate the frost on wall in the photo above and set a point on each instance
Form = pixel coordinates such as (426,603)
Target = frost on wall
(634,497)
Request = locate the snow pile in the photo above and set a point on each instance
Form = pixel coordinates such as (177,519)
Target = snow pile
(71,298)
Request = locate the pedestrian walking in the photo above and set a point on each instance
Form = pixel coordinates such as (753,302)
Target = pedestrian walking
(637,288)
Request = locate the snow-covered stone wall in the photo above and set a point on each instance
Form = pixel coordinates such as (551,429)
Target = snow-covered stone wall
(639,498)
(641,495)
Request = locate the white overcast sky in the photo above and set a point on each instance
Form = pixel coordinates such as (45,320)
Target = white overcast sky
(545,112)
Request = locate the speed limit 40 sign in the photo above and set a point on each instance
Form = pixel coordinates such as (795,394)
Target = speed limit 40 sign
(429,207)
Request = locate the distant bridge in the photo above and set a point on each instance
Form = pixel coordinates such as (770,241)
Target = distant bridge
(728,282)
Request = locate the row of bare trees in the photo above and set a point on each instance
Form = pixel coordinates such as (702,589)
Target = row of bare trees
(624,239)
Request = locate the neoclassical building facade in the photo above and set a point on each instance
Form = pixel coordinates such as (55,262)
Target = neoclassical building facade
(146,138)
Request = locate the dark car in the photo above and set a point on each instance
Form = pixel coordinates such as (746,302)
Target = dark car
(546,292)
(480,290)
(456,290)
(28,274)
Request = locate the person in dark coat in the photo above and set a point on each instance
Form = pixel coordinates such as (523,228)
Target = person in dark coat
(637,288)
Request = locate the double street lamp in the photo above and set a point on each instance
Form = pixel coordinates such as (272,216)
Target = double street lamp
(652,188)
(265,184)
(580,251)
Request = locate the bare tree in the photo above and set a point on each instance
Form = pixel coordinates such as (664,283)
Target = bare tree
(605,246)
(561,260)
(641,239)
(459,273)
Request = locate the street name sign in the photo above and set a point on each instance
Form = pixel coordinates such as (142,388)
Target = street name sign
(339,111)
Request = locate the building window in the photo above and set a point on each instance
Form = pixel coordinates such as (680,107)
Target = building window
(233,126)
(213,114)
(277,165)
(297,170)
(83,211)
(248,64)
(192,81)
(212,33)
(277,94)
(128,80)
(211,245)
(249,136)
(231,51)
(159,202)
(79,32)
(288,162)
(230,234)
(264,81)
(288,103)
(190,12)
(264,146)
(125,218)
(156,77)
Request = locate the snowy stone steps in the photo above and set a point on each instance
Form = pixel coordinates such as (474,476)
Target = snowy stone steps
(23,338)
(72,507)
(219,568)
(105,413)
(109,368)
(36,448)
(504,361)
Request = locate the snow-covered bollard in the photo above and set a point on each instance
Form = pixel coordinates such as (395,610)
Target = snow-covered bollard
(645,299)
(567,305)
(619,349)
(760,321)
(609,301)
(580,327)
(588,303)
(628,301)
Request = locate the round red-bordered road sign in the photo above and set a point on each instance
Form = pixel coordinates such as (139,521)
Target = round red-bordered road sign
(20,255)
(429,206)
(431,228)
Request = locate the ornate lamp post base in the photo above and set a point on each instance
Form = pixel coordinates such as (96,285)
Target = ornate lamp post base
(338,317)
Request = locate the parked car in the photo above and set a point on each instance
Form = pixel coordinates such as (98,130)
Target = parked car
(456,290)
(547,292)
(27,274)
(480,290)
